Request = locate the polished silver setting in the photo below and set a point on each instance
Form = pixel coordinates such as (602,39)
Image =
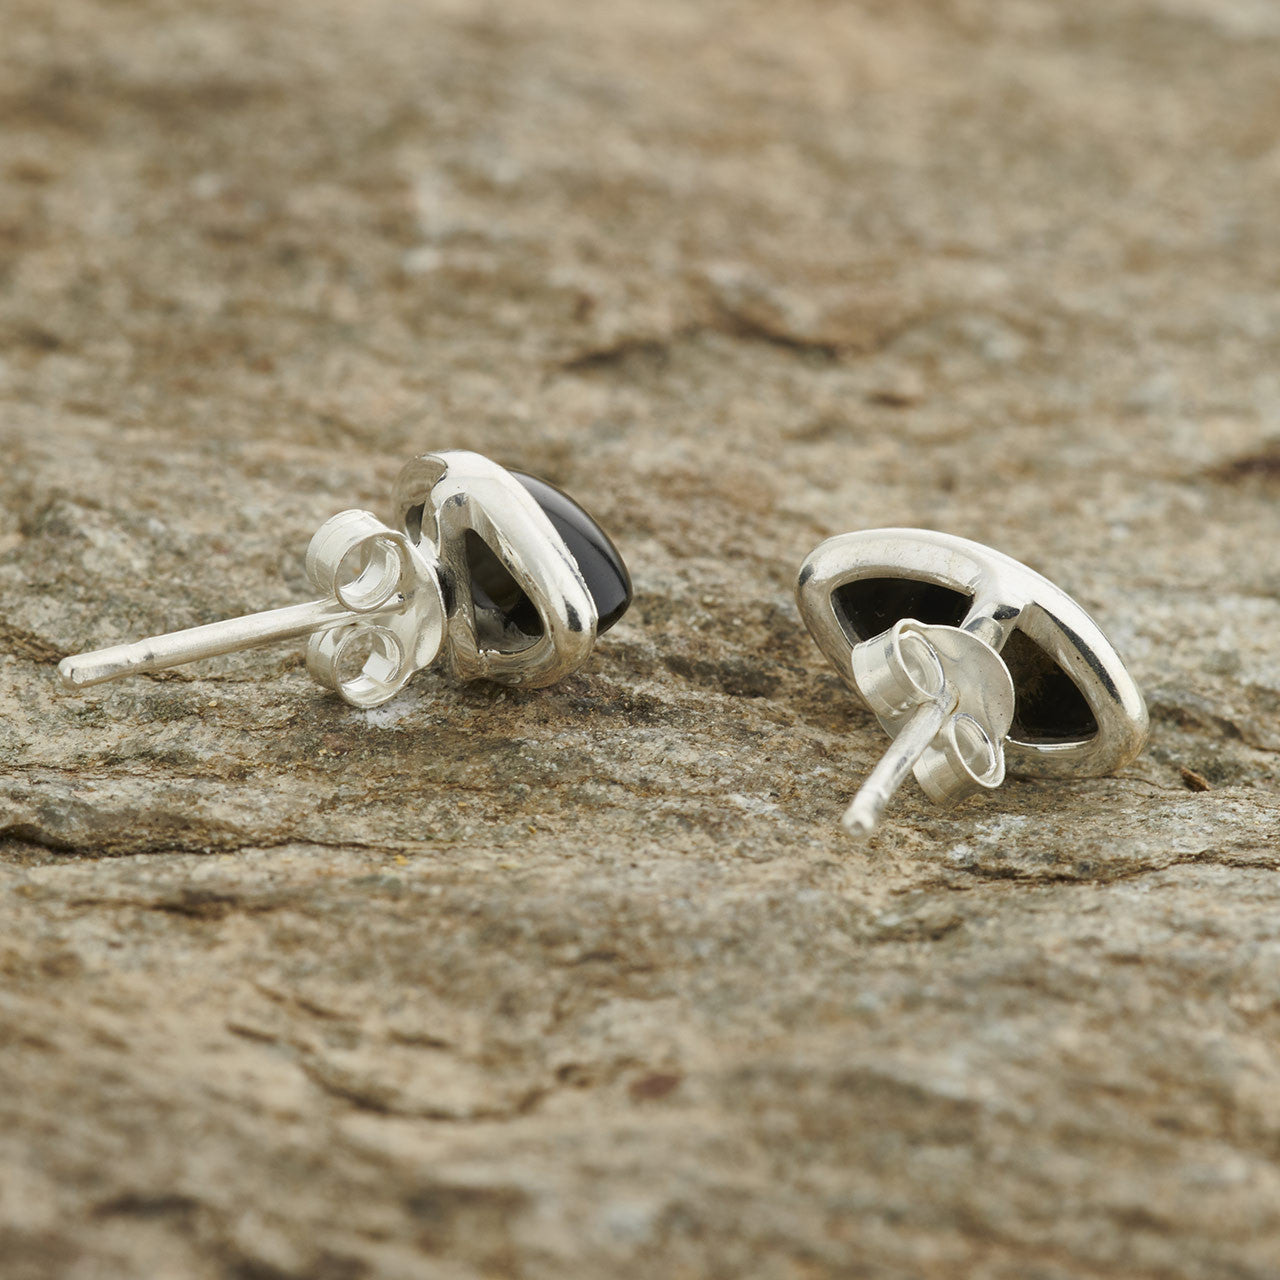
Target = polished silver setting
(944,691)
(438,498)
(395,600)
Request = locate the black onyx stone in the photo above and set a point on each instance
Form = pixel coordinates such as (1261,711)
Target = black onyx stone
(868,606)
(498,598)
(1049,706)
(602,568)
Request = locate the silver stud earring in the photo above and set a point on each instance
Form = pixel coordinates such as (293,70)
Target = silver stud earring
(966,657)
(502,573)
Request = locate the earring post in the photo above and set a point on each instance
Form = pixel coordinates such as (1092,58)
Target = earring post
(923,724)
(157,653)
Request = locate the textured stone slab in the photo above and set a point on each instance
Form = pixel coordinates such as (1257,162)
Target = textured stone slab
(587,981)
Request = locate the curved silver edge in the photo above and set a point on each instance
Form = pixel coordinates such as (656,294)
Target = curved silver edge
(438,497)
(1023,599)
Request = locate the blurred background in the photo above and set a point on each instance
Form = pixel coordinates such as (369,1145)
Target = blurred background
(846,262)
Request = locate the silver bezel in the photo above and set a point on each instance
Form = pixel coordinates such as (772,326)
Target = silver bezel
(1005,595)
(438,497)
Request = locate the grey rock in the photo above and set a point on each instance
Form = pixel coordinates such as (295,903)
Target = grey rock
(587,981)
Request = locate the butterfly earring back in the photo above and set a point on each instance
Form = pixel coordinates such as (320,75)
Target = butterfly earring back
(967,658)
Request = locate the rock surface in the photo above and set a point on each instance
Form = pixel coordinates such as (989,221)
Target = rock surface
(587,982)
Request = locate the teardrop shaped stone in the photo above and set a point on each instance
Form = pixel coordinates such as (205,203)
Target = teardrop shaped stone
(602,568)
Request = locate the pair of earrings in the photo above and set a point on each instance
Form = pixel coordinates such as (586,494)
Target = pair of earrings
(965,656)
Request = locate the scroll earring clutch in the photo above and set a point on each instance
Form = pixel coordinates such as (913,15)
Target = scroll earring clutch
(966,657)
(501,573)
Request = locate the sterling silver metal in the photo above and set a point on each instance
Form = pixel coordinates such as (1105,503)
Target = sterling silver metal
(395,600)
(943,692)
(438,497)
